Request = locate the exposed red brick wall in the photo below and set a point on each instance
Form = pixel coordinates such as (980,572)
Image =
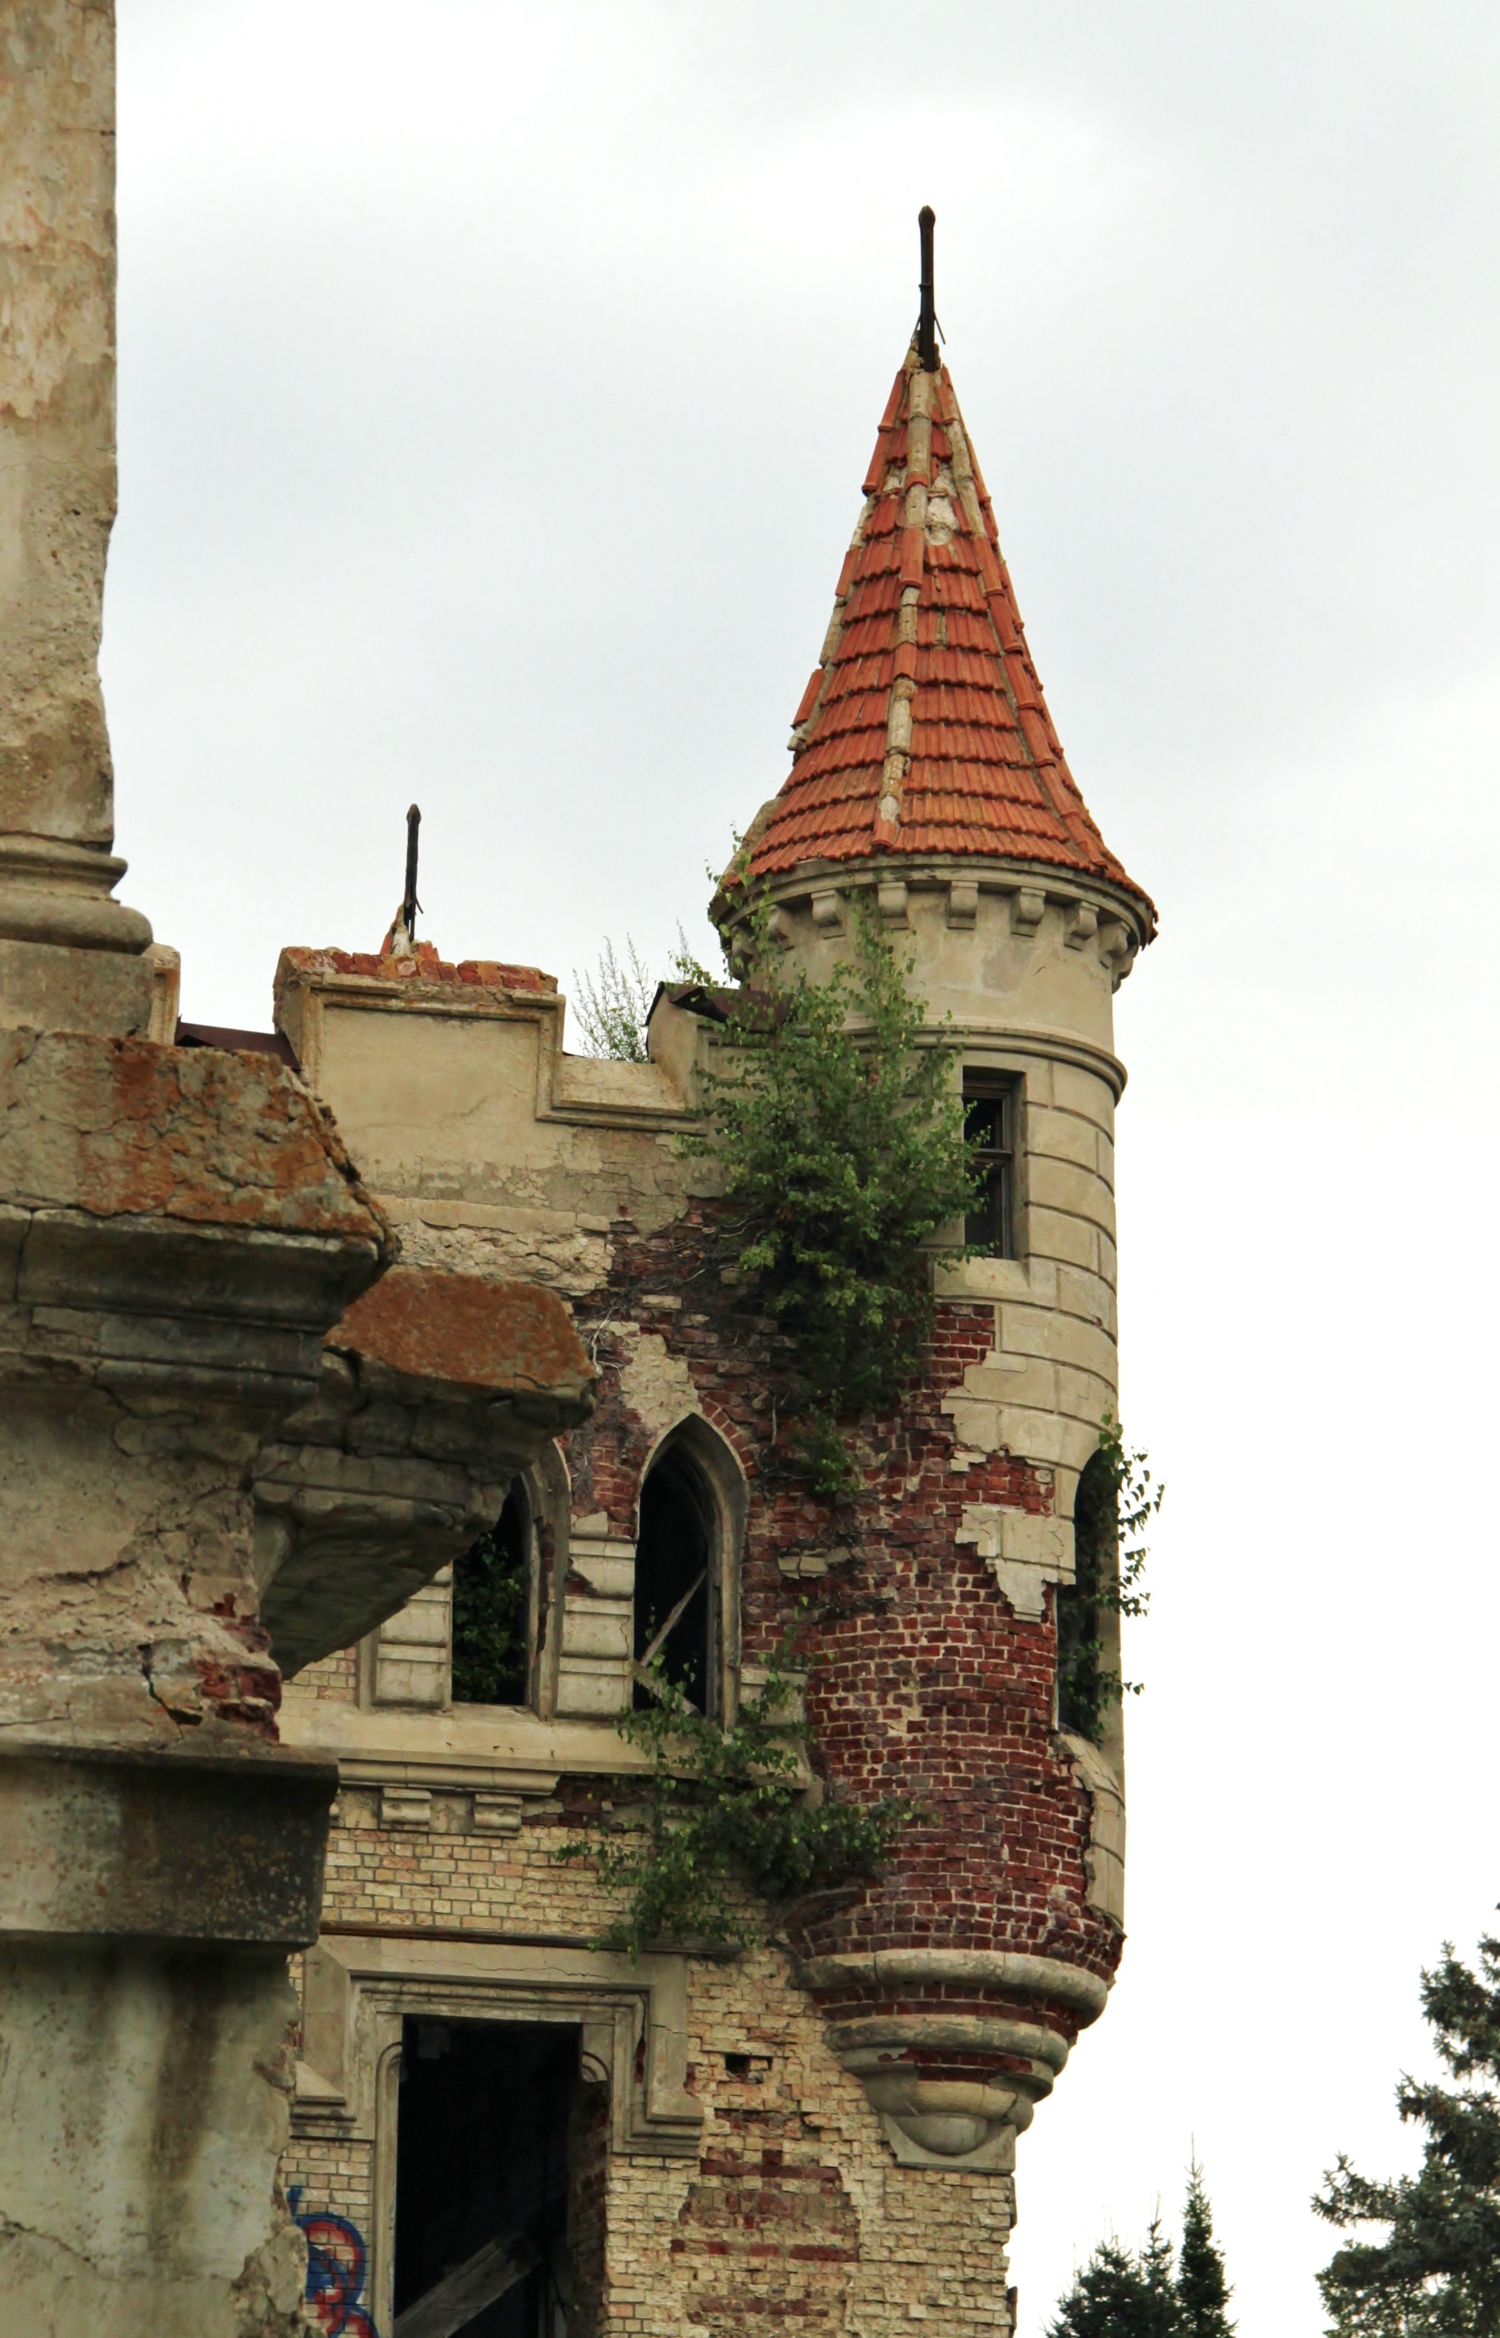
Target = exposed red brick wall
(922,1682)
(767,2234)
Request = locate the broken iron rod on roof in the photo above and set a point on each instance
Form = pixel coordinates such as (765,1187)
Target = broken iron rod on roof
(409,903)
(927,314)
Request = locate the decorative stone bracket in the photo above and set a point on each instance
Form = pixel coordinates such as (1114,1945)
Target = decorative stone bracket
(954,2080)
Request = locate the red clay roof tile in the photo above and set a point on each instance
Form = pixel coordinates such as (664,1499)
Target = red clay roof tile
(987,776)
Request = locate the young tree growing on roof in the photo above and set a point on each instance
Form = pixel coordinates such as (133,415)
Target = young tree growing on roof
(1436,2272)
(612,1006)
(839,1130)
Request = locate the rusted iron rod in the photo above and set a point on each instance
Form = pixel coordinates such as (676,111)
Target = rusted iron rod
(410,904)
(927,315)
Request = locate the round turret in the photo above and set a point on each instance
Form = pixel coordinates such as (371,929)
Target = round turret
(928,792)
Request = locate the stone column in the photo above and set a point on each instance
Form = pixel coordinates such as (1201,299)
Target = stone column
(71,957)
(179,1229)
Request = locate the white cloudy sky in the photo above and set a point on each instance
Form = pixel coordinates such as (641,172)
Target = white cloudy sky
(496,383)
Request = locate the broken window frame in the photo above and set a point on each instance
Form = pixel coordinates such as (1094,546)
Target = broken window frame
(721,1489)
(520,1496)
(654,1633)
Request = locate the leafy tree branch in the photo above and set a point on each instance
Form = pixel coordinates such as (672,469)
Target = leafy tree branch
(1118,1496)
(839,1130)
(1436,2271)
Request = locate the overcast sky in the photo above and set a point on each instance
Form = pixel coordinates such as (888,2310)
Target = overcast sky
(496,386)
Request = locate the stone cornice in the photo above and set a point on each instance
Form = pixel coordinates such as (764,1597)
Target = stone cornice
(899,1969)
(931,871)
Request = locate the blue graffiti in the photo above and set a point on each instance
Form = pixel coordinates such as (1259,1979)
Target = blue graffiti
(337,2263)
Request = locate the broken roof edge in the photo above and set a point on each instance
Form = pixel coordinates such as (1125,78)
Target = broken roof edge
(441,1327)
(424,969)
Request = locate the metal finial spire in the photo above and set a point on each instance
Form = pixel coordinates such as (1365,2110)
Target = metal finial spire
(927,314)
(410,904)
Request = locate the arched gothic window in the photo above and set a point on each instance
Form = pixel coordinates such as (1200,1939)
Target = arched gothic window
(1088,1685)
(493,1610)
(678,1576)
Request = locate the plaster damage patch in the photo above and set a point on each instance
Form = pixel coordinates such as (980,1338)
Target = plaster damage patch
(1025,1553)
(557,1248)
(657,1386)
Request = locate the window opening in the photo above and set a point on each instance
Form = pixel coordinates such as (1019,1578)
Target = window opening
(492,1610)
(676,1580)
(1085,1682)
(990,1126)
(489,2181)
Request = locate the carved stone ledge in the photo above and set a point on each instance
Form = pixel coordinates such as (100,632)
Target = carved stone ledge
(215,1843)
(1089,913)
(954,2048)
(179,1229)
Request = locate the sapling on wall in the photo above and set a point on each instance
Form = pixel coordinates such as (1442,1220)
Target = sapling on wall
(726,1822)
(838,1129)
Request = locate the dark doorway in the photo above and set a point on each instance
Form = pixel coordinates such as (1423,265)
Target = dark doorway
(482,2148)
(492,1611)
(675,1571)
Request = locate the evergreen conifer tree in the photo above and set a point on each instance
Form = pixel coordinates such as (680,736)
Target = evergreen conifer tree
(1127,2293)
(1202,2289)
(1119,2294)
(1437,2272)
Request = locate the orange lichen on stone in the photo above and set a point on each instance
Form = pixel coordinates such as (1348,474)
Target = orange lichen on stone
(468,1332)
(125,1127)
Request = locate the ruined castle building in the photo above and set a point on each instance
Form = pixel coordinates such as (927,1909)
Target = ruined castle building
(822,2129)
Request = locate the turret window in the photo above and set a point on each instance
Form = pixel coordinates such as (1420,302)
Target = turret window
(1088,1609)
(990,1126)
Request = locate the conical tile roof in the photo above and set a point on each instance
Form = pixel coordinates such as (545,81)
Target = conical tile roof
(923,729)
